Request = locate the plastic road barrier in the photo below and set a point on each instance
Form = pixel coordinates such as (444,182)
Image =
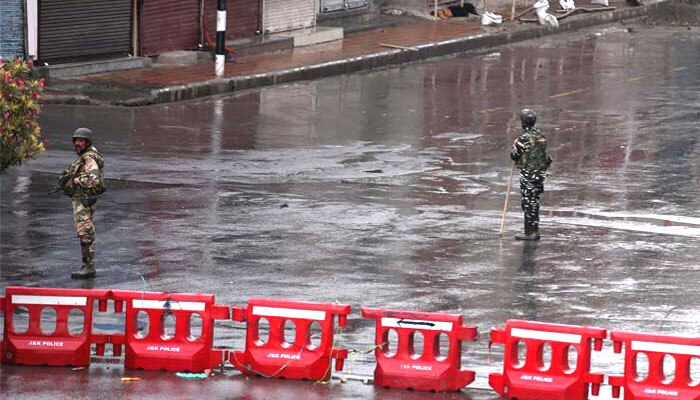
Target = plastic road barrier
(435,368)
(45,326)
(525,373)
(295,357)
(658,383)
(170,331)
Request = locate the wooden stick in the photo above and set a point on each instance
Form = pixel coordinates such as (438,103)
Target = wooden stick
(594,9)
(512,10)
(505,204)
(393,46)
(527,10)
(566,14)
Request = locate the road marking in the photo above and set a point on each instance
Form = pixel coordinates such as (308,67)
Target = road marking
(684,231)
(488,110)
(634,79)
(566,93)
(660,219)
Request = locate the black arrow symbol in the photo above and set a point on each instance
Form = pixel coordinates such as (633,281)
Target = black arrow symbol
(403,321)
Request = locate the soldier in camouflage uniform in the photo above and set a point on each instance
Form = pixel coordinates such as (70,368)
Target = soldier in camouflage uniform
(84,181)
(529,152)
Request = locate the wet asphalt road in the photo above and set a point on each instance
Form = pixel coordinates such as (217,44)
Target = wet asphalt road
(385,189)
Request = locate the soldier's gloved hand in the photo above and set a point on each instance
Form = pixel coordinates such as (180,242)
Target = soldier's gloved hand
(68,189)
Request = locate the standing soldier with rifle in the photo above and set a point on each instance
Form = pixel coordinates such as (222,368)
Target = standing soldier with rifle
(83,181)
(529,153)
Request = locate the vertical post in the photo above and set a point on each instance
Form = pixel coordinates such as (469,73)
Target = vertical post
(220,37)
(32,28)
(135,28)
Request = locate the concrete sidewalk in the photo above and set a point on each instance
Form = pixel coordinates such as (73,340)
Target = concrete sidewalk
(362,51)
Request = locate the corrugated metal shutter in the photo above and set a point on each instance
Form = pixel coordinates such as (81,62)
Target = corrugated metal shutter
(169,25)
(242,18)
(11,28)
(74,30)
(284,15)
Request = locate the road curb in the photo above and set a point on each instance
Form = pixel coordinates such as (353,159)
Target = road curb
(392,57)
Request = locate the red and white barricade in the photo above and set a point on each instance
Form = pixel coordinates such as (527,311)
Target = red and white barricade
(525,377)
(150,346)
(656,385)
(431,370)
(67,322)
(299,358)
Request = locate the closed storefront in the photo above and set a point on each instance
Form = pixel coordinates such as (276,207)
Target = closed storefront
(11,28)
(242,18)
(75,30)
(285,15)
(168,25)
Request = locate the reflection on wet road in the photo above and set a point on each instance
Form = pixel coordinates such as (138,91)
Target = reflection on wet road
(384,189)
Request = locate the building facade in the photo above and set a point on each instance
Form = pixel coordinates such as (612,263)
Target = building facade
(66,31)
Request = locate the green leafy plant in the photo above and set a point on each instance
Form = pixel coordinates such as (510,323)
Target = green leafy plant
(20,133)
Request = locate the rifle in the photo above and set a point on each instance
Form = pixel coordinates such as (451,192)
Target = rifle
(63,179)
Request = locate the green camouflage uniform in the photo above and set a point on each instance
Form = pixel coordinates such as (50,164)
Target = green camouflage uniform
(530,155)
(84,183)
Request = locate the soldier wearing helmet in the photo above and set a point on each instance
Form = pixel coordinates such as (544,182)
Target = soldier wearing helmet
(83,181)
(529,152)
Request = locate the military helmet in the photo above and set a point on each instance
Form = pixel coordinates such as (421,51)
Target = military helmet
(83,133)
(528,117)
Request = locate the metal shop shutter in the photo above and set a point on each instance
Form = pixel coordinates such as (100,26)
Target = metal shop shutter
(169,25)
(242,18)
(285,15)
(74,30)
(11,28)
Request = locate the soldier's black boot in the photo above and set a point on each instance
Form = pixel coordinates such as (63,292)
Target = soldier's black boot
(87,271)
(530,234)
